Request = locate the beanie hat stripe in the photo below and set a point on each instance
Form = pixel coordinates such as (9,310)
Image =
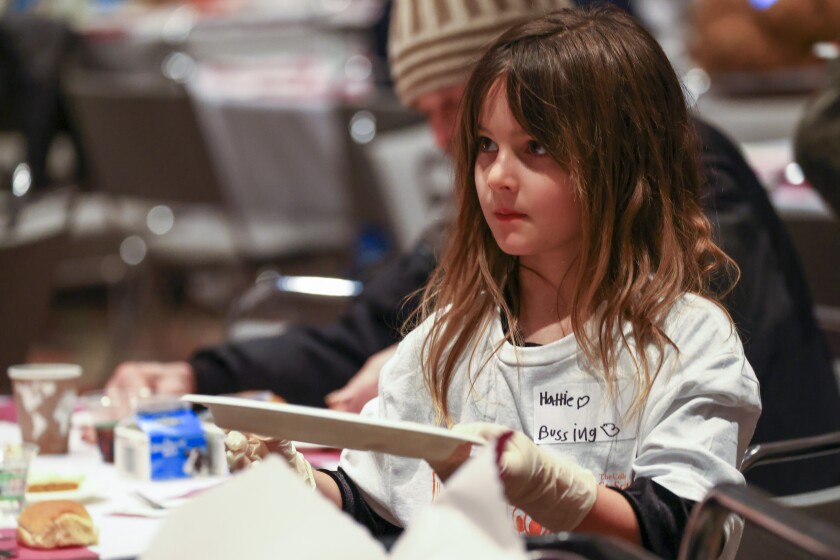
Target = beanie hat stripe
(449,36)
(461,45)
(445,66)
(434,81)
(416,20)
(473,9)
(444,16)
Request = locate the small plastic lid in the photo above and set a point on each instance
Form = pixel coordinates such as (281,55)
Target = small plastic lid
(44,372)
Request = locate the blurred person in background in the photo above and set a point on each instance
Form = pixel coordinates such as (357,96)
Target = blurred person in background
(731,36)
(817,139)
(339,364)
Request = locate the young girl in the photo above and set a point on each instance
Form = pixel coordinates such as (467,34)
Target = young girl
(571,313)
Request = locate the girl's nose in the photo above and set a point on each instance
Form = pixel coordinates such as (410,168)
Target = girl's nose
(502,172)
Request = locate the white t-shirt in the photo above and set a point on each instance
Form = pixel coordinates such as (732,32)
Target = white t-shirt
(689,436)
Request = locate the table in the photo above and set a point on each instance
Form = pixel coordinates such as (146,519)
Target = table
(121,536)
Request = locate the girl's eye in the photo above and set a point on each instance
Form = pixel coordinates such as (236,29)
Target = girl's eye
(485,144)
(536,148)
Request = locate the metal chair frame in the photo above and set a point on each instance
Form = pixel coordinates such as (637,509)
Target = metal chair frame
(704,532)
(790,450)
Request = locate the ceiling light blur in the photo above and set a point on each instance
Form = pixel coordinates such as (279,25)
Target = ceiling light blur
(21,179)
(827,50)
(133,250)
(696,82)
(178,67)
(363,127)
(762,4)
(319,286)
(178,26)
(794,174)
(160,219)
(358,68)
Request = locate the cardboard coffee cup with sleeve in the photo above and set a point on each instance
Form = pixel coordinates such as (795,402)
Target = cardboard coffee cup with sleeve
(45,395)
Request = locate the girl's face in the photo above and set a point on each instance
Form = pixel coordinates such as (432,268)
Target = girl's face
(527,198)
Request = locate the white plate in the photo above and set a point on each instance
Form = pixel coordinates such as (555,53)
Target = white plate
(331,428)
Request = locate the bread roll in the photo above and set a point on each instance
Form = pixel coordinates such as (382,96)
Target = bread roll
(55,523)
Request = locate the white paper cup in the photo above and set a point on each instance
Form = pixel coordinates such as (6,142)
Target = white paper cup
(45,395)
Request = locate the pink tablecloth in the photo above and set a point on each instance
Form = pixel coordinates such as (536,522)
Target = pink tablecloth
(9,542)
(7,409)
(322,458)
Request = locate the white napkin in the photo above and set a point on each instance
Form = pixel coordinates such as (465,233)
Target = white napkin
(468,520)
(267,512)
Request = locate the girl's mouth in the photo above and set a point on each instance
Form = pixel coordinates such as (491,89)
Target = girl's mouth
(508,215)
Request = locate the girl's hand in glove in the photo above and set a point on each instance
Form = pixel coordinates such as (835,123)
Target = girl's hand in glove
(244,450)
(555,492)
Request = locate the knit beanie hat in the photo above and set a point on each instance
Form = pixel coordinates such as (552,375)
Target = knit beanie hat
(434,44)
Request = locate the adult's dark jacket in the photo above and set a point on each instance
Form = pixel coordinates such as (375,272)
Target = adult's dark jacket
(771,306)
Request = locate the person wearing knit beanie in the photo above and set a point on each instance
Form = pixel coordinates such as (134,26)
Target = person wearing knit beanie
(433,45)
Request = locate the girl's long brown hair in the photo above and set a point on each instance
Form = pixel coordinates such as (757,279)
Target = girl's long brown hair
(597,92)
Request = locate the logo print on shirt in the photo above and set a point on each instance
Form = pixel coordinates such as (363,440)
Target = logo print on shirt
(524,525)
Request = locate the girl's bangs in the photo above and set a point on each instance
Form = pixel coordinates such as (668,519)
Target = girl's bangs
(537,104)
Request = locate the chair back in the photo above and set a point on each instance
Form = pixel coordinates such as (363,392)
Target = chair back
(32,240)
(793,534)
(823,504)
(142,136)
(146,148)
(580,546)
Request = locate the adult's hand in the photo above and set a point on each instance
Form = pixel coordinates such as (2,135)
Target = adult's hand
(363,386)
(168,378)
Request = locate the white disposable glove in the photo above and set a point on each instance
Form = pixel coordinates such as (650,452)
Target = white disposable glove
(555,492)
(245,450)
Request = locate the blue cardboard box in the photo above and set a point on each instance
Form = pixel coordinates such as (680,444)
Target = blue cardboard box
(161,445)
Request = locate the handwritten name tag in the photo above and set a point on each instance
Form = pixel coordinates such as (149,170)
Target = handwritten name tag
(582,413)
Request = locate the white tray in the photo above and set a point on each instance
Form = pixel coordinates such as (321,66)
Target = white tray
(332,428)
